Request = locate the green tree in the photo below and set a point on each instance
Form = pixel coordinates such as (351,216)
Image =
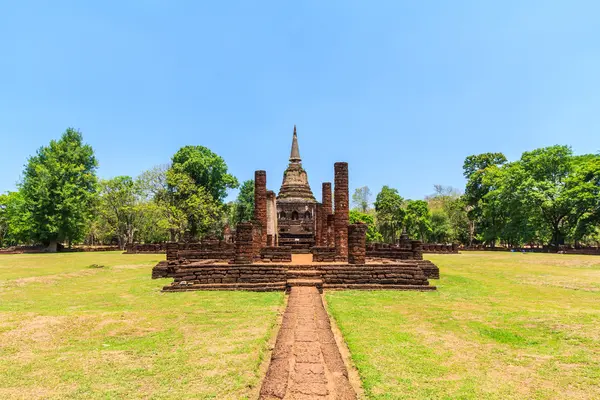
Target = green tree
(188,208)
(244,204)
(359,217)
(440,227)
(417,219)
(361,198)
(475,169)
(390,213)
(121,207)
(206,169)
(58,188)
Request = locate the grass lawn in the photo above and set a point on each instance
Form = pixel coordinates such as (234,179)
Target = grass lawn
(71,331)
(500,326)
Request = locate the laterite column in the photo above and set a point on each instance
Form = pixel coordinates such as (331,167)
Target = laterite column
(341,209)
(417,249)
(327,210)
(260,204)
(319,225)
(244,245)
(357,243)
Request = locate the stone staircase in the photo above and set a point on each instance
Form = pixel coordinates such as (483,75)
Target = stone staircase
(301,276)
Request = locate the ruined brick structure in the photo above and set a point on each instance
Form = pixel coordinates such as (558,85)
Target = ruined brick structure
(341,209)
(272,235)
(296,205)
(357,243)
(146,248)
(293,222)
(245,236)
(260,204)
(440,248)
(327,211)
(319,225)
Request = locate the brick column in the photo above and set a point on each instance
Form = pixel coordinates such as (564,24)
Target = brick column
(417,249)
(172,249)
(357,246)
(341,209)
(330,230)
(244,245)
(326,201)
(319,225)
(260,203)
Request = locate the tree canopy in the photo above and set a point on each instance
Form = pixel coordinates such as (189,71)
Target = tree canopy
(59,188)
(206,169)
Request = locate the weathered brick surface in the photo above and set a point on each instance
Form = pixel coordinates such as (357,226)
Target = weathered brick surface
(146,248)
(357,243)
(417,249)
(319,225)
(327,210)
(341,199)
(430,270)
(439,248)
(260,277)
(244,243)
(260,204)
(331,230)
(323,254)
(276,253)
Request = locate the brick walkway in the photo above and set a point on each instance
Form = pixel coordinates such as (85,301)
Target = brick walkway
(306,362)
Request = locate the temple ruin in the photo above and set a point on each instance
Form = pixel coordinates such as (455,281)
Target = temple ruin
(334,252)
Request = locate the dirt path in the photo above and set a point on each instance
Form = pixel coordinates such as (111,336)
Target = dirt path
(306,362)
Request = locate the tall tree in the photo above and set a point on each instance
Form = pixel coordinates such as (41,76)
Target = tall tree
(244,204)
(120,206)
(188,208)
(390,213)
(59,187)
(361,198)
(206,169)
(418,218)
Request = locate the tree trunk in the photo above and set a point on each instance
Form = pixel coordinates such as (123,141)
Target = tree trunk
(52,246)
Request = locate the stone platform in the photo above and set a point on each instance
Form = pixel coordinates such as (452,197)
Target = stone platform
(405,275)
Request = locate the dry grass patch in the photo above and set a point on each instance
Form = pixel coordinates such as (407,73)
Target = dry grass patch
(69,331)
(501,326)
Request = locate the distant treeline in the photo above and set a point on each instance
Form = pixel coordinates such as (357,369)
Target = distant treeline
(547,197)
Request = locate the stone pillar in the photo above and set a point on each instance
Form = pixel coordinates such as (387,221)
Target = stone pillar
(319,225)
(260,204)
(417,249)
(341,209)
(327,209)
(271,218)
(357,246)
(244,244)
(172,249)
(330,230)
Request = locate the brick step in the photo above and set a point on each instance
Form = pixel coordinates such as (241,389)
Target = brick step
(371,286)
(303,274)
(305,282)
(298,267)
(256,287)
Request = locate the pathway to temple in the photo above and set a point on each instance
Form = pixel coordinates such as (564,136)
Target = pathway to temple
(306,362)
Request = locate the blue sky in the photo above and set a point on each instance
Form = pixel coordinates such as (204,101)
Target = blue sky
(401,90)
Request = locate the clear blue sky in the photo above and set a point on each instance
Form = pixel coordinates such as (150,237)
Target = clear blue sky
(402,90)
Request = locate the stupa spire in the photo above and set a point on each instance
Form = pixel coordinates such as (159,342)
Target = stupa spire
(295,153)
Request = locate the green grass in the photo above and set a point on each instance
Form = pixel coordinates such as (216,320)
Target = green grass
(500,326)
(71,331)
